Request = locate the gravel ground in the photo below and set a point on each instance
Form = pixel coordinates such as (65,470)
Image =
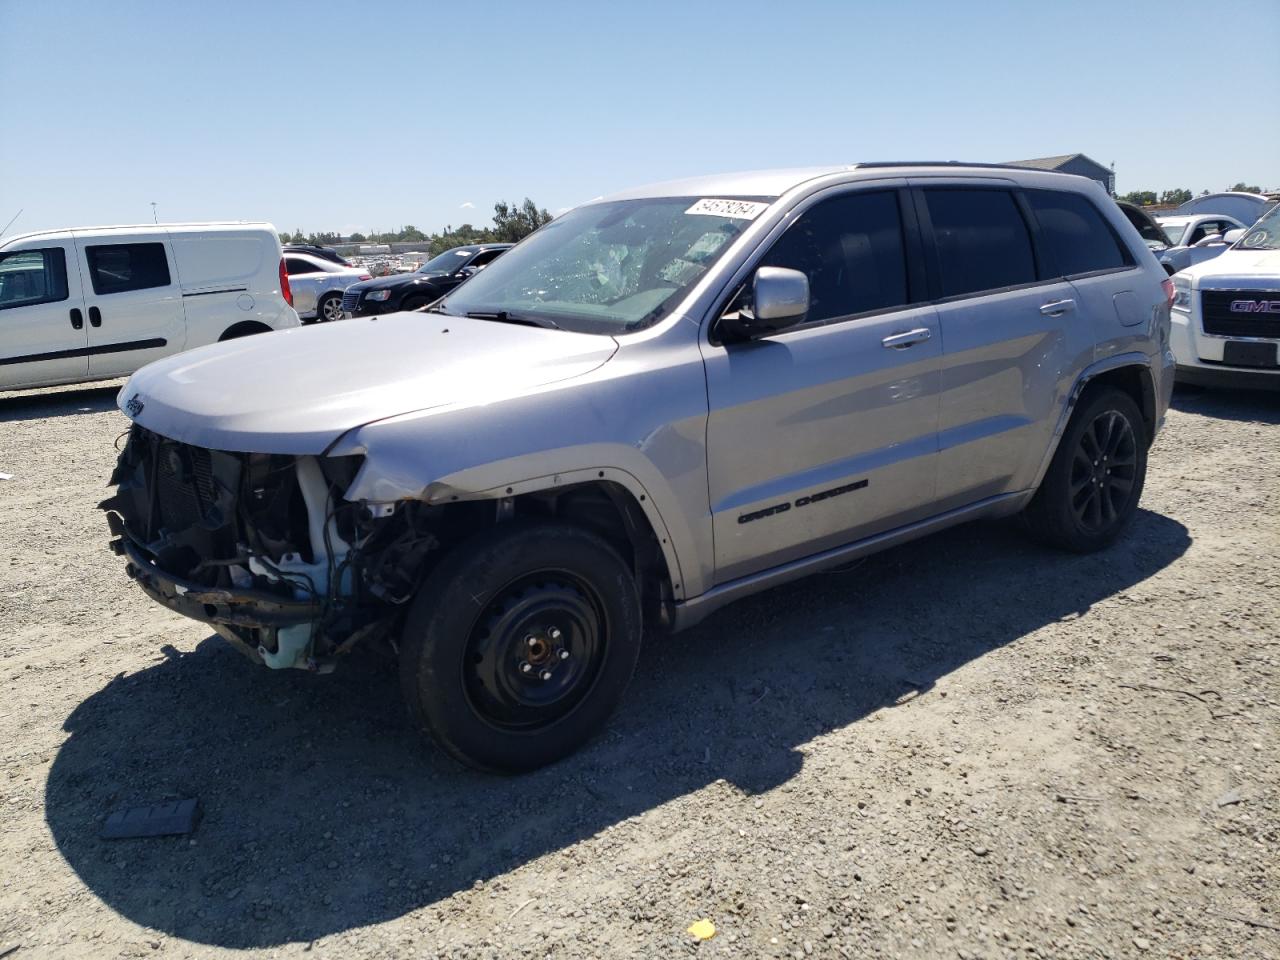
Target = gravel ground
(966,747)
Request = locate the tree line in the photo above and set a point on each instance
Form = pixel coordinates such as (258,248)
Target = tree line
(511,222)
(1148,198)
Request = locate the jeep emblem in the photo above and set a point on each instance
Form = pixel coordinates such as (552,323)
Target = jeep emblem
(1255,306)
(134,405)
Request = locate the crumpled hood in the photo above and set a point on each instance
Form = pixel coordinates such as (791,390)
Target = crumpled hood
(296,391)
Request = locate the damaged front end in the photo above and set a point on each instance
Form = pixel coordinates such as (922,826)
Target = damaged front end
(265,548)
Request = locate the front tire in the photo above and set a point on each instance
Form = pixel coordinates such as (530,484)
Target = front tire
(520,644)
(1091,489)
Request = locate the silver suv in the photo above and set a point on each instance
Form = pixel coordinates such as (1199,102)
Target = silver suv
(658,403)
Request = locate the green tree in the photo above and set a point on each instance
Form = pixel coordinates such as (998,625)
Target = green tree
(512,223)
(1242,188)
(356,238)
(1175,196)
(1142,198)
(285,237)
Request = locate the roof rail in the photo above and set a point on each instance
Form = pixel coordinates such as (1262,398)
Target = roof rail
(947,163)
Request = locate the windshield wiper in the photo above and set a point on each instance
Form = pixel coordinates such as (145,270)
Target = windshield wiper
(503,316)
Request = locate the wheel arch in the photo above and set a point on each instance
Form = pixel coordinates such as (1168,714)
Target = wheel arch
(244,328)
(1129,372)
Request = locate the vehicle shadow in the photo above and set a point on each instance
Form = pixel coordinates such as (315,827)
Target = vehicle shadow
(323,812)
(1249,406)
(30,405)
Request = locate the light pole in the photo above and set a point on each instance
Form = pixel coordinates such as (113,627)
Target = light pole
(154,218)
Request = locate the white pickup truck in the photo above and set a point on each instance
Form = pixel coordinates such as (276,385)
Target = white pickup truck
(1226,312)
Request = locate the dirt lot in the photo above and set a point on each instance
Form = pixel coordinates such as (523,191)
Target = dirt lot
(968,747)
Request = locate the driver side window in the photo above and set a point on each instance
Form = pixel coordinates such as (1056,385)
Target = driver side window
(851,247)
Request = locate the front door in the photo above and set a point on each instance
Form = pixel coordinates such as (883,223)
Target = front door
(42,320)
(827,433)
(134,302)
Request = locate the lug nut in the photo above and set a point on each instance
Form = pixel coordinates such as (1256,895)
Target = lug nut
(531,641)
(526,667)
(545,675)
(554,633)
(564,654)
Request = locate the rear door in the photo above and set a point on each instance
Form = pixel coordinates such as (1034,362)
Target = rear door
(826,433)
(42,321)
(1012,338)
(134,302)
(305,279)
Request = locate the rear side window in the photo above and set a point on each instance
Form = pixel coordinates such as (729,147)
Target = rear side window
(121,267)
(982,240)
(1078,239)
(296,265)
(32,276)
(851,248)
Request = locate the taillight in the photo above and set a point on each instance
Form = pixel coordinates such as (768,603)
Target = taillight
(284,284)
(366,276)
(1169,290)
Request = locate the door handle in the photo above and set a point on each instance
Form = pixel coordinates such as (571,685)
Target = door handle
(77,318)
(900,341)
(95,317)
(1057,308)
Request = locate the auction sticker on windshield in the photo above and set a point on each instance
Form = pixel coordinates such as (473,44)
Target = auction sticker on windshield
(736,209)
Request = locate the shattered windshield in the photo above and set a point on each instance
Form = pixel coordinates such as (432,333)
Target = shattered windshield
(1263,235)
(607,267)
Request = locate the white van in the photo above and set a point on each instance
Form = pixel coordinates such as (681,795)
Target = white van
(92,303)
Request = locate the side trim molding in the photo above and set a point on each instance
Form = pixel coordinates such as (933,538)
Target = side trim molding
(87,351)
(691,612)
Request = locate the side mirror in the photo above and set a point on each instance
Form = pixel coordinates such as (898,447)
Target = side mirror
(1209,240)
(1231,236)
(465,272)
(779,298)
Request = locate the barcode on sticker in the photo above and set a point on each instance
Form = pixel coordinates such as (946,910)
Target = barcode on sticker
(737,209)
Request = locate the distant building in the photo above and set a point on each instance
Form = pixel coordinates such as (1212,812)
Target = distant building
(1076,163)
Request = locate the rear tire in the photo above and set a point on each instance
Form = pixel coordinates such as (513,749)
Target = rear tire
(329,308)
(1091,489)
(520,644)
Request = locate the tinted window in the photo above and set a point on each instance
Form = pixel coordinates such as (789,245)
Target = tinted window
(851,248)
(484,258)
(32,276)
(1078,239)
(296,265)
(120,267)
(983,242)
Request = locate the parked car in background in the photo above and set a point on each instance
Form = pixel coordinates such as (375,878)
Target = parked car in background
(656,404)
(91,303)
(431,281)
(1195,238)
(1152,234)
(1245,207)
(324,253)
(318,285)
(1226,312)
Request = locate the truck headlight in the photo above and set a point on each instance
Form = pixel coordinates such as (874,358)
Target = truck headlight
(1181,295)
(378,295)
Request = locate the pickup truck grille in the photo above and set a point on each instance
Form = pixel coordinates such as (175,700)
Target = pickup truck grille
(1219,319)
(349,299)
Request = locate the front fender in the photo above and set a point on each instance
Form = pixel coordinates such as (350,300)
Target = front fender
(636,423)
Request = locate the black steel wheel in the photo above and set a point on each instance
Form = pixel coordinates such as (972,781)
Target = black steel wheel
(535,652)
(1092,486)
(519,645)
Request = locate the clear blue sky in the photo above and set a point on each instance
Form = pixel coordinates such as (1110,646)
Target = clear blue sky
(355,116)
